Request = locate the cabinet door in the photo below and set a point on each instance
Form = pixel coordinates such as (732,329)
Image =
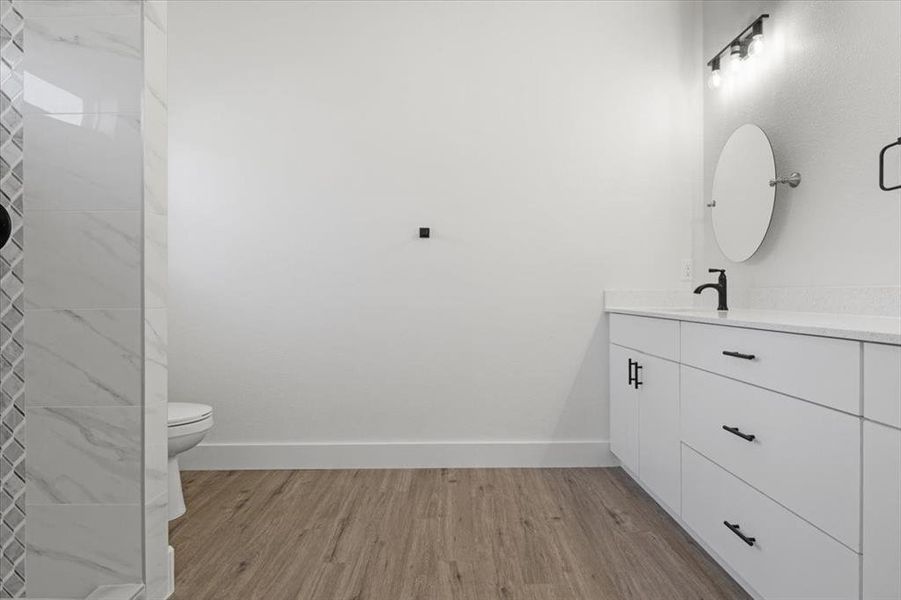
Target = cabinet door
(623,409)
(658,422)
(881,512)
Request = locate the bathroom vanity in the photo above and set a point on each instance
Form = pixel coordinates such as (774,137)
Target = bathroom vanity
(773,438)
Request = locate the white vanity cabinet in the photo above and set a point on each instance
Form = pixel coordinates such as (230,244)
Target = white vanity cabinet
(780,557)
(805,457)
(881,512)
(882,472)
(882,384)
(757,437)
(821,370)
(644,403)
(658,426)
(623,408)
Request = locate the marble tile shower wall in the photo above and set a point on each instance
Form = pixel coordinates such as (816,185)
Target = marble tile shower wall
(12,362)
(84,356)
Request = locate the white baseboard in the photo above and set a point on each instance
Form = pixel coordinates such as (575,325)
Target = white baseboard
(398,455)
(170,587)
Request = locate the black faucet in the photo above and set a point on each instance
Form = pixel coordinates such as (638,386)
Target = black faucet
(720,288)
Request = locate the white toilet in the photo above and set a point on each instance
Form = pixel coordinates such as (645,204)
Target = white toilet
(188,424)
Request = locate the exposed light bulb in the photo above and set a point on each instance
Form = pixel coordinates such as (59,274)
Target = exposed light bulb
(735,60)
(756,46)
(715,78)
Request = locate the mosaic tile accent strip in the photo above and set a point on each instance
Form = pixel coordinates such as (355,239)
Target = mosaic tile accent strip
(12,362)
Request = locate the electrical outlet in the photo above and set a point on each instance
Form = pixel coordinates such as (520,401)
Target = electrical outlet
(687,274)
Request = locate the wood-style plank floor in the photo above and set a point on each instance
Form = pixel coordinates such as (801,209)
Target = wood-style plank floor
(468,534)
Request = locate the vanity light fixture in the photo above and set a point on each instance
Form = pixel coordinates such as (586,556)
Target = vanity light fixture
(746,44)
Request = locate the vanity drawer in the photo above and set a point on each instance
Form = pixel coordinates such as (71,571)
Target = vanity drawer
(882,383)
(657,337)
(822,370)
(789,559)
(804,456)
(881,512)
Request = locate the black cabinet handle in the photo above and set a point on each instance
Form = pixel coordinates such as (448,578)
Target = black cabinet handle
(6,226)
(633,379)
(736,431)
(734,528)
(882,185)
(738,355)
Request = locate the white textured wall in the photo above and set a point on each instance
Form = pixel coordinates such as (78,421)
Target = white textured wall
(553,150)
(828,94)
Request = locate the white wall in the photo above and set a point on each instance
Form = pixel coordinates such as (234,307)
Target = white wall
(554,150)
(828,94)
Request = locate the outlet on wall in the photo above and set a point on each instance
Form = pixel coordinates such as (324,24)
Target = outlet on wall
(686,272)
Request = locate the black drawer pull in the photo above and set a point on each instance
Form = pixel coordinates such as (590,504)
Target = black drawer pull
(632,363)
(736,530)
(736,431)
(638,382)
(739,355)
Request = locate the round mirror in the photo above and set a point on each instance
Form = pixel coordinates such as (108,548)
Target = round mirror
(742,196)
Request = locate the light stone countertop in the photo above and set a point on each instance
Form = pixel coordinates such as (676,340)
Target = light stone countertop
(864,328)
